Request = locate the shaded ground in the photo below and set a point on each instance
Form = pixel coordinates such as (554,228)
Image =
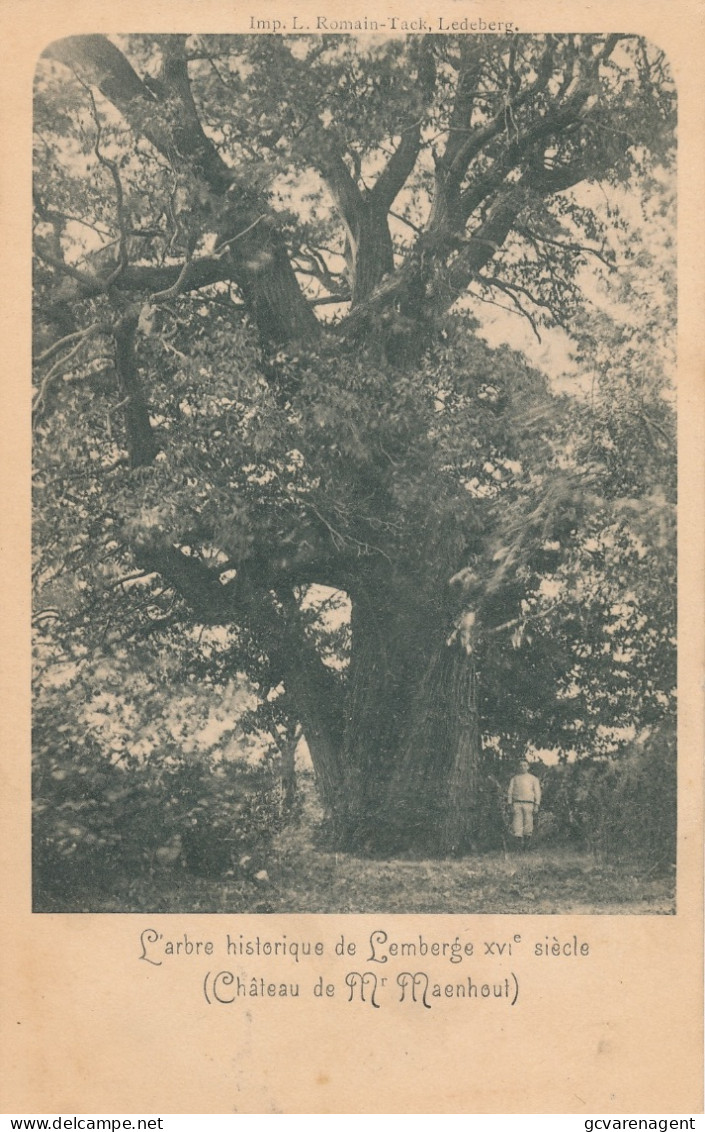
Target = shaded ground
(299,877)
(548,880)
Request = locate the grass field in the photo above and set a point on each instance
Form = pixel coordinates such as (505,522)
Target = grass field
(300,877)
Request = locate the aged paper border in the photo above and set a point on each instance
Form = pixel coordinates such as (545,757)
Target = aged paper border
(87,1027)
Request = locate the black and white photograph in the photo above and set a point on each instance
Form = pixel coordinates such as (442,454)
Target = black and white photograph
(354,471)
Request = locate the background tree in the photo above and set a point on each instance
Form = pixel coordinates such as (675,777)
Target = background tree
(204,431)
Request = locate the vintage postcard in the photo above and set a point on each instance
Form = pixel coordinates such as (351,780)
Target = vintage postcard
(353,356)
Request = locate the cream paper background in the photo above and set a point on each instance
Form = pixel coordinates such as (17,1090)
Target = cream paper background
(88,1027)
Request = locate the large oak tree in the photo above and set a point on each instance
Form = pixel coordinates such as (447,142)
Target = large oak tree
(257,372)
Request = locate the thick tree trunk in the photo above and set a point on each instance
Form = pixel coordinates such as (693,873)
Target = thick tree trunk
(432,799)
(410,760)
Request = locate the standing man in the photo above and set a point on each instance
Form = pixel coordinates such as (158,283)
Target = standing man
(524,799)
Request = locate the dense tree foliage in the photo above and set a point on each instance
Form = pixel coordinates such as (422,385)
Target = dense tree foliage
(261,380)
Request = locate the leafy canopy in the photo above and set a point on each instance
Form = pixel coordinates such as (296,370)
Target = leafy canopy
(260,265)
